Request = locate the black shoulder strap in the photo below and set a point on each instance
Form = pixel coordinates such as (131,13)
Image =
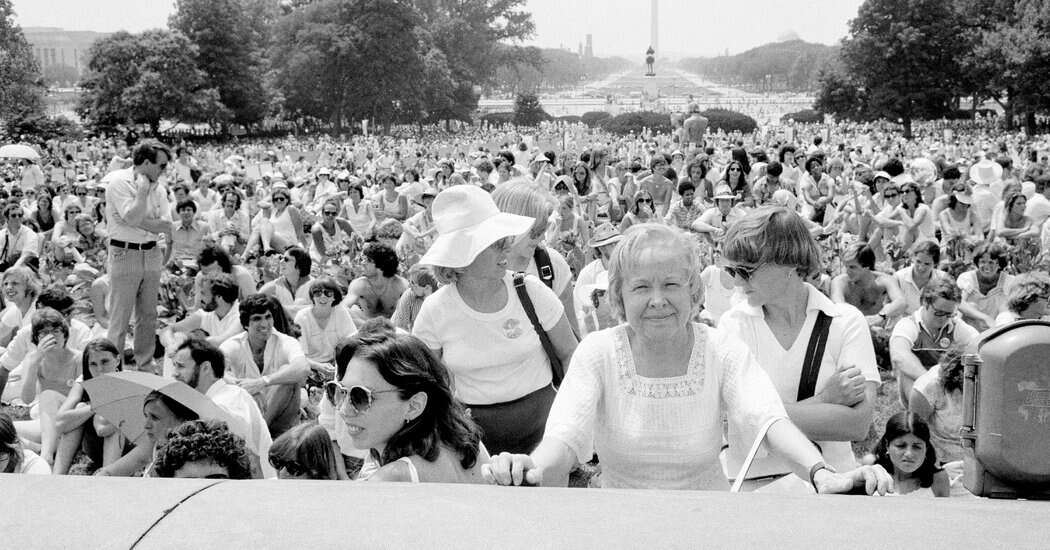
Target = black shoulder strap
(557,370)
(543,266)
(818,339)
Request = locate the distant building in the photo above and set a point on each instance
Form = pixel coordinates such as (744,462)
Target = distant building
(588,50)
(61,54)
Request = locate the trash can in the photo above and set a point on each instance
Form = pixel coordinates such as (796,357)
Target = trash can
(1006,414)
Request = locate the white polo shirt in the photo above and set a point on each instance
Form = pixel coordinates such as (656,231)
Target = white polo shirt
(849,343)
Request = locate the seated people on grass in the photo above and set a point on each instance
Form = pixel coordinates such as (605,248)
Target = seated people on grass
(875,294)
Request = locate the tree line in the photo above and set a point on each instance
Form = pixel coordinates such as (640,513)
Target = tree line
(791,65)
(918,59)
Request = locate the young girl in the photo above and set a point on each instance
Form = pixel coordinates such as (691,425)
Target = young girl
(906,453)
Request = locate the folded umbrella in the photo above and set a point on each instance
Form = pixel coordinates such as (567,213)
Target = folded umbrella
(118,397)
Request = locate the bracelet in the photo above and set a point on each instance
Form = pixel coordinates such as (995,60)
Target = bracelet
(813,473)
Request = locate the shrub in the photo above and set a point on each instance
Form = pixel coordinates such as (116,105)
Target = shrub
(498,118)
(528,111)
(594,118)
(571,119)
(805,116)
(729,121)
(637,121)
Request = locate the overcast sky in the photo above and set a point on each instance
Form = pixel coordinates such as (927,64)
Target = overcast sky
(619,27)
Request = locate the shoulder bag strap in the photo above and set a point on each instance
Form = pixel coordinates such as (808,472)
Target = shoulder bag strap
(557,369)
(544,267)
(818,339)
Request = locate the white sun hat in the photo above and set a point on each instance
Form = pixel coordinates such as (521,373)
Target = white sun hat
(468,221)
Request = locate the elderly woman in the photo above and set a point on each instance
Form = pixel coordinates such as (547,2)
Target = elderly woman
(479,326)
(649,395)
(984,287)
(830,396)
(395,397)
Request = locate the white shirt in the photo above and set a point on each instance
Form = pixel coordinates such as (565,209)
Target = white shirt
(318,342)
(660,433)
(223,328)
(494,357)
(248,421)
(1037,209)
(22,344)
(849,343)
(121,190)
(24,242)
(912,292)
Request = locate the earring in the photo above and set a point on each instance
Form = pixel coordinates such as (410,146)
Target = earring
(407,421)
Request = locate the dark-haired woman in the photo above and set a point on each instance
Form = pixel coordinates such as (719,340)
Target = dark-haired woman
(77,423)
(292,287)
(395,397)
(15,459)
(304,452)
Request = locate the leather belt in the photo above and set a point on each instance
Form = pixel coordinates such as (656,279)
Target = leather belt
(132,246)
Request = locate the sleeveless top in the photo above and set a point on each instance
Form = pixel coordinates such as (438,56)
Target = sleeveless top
(282,226)
(391,208)
(61,384)
(339,240)
(361,218)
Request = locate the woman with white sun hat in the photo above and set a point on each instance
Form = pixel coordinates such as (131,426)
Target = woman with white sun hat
(478,324)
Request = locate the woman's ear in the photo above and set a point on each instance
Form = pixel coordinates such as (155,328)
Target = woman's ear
(416,405)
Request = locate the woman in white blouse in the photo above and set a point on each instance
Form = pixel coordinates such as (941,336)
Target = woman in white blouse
(649,395)
(323,324)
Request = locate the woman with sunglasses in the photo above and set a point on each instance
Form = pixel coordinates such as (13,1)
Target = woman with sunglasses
(279,223)
(477,322)
(771,253)
(66,230)
(651,394)
(736,179)
(641,211)
(292,285)
(332,237)
(323,324)
(394,396)
(916,216)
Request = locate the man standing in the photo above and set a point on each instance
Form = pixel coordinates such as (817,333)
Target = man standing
(268,364)
(139,215)
(201,366)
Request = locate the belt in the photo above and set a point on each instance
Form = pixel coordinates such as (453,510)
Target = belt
(132,246)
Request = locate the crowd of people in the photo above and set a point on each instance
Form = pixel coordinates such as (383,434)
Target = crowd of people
(503,305)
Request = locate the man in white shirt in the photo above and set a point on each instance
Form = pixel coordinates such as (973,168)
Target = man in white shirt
(219,315)
(202,366)
(1038,207)
(32,176)
(18,242)
(138,216)
(268,364)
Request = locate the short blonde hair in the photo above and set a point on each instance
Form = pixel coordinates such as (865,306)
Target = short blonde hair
(525,197)
(652,236)
(773,235)
(25,276)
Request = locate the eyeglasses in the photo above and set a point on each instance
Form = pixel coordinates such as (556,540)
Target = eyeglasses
(744,272)
(330,213)
(73,212)
(280,198)
(327,292)
(891,195)
(734,169)
(360,397)
(292,467)
(15,215)
(941,313)
(82,194)
(649,201)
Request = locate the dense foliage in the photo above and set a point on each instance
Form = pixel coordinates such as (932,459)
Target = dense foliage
(805,116)
(21,89)
(638,122)
(556,69)
(729,121)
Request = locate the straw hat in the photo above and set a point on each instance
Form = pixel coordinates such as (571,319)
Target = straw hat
(468,221)
(604,234)
(987,172)
(724,192)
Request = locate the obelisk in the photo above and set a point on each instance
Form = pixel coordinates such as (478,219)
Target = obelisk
(654,42)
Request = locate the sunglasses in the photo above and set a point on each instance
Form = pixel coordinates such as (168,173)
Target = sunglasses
(280,199)
(14,215)
(327,292)
(83,194)
(891,195)
(330,213)
(744,272)
(292,467)
(649,201)
(360,397)
(734,169)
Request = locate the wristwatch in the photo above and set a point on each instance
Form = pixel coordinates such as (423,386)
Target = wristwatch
(813,472)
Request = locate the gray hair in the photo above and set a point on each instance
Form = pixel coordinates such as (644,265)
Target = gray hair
(652,236)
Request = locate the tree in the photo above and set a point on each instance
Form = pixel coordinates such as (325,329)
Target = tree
(840,97)
(345,60)
(21,90)
(145,78)
(528,111)
(60,75)
(906,55)
(476,38)
(231,39)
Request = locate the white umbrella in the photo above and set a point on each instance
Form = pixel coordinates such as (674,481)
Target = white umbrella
(118,397)
(18,151)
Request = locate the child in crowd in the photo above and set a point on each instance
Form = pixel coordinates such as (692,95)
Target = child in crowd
(422,283)
(906,453)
